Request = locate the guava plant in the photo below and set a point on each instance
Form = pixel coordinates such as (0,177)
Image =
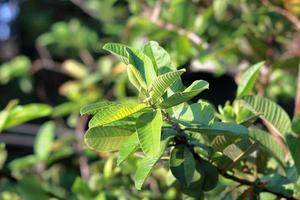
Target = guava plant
(240,142)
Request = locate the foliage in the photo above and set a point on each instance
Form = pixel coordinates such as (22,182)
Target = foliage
(152,130)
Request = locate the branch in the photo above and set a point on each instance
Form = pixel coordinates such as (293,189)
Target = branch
(297,99)
(292,18)
(223,173)
(153,16)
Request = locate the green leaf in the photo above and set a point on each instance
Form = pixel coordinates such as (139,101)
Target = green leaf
(294,147)
(161,83)
(187,94)
(248,80)
(182,164)
(30,188)
(268,143)
(44,141)
(148,127)
(114,113)
(221,128)
(143,64)
(211,176)
(201,113)
(270,112)
(93,108)
(65,109)
(22,114)
(22,163)
(81,187)
(296,124)
(119,50)
(159,57)
(136,78)
(107,138)
(145,166)
(128,148)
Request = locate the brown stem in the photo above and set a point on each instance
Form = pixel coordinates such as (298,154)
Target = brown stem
(297,99)
(83,161)
(292,18)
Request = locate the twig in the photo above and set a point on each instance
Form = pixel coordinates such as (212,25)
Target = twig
(83,162)
(261,186)
(297,99)
(181,31)
(292,18)
(87,58)
(153,16)
(156,11)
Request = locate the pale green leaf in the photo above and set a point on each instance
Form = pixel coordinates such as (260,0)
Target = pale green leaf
(220,7)
(107,138)
(119,50)
(91,109)
(21,114)
(145,166)
(44,141)
(270,112)
(65,109)
(159,57)
(161,83)
(268,143)
(129,147)
(136,78)
(248,80)
(182,164)
(187,94)
(148,127)
(114,113)
(143,64)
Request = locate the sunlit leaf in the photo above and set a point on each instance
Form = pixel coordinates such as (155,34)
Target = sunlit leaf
(148,127)
(91,109)
(114,113)
(161,83)
(143,64)
(107,138)
(248,80)
(22,114)
(118,50)
(159,57)
(187,94)
(136,78)
(44,140)
(270,112)
(129,147)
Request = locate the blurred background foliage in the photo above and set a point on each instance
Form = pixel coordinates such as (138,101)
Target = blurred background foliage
(52,61)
